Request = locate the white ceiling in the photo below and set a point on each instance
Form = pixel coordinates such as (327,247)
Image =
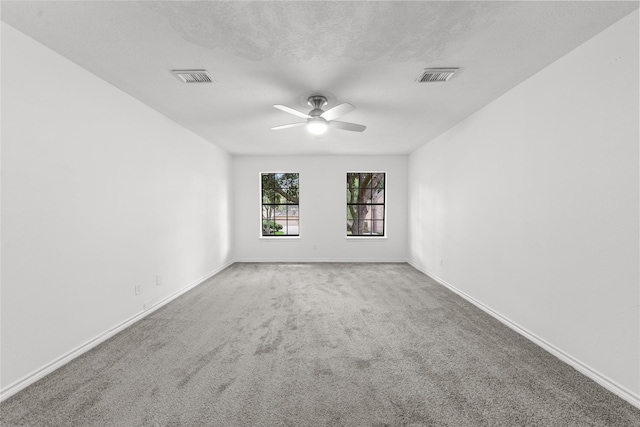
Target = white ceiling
(263,53)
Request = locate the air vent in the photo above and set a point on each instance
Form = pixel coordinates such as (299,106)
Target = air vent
(193,76)
(432,75)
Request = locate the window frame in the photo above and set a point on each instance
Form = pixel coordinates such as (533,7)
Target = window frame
(262,204)
(386,201)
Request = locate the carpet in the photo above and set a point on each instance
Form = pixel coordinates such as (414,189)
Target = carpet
(335,344)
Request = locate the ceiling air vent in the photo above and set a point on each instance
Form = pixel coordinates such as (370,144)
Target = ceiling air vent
(193,76)
(431,75)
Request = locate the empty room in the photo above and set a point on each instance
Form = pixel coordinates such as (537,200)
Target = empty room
(320,213)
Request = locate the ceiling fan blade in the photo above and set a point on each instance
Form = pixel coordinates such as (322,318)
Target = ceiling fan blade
(347,126)
(292,111)
(337,111)
(291,125)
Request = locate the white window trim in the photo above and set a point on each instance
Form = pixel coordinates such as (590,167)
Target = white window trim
(277,238)
(386,187)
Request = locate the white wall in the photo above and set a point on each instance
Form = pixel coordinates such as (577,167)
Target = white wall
(323,210)
(532,206)
(99,193)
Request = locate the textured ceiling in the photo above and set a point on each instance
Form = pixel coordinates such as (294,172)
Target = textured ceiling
(263,53)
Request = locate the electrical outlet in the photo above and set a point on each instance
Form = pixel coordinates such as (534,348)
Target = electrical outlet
(158,280)
(138,289)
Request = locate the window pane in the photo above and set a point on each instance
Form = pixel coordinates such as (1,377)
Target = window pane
(267,212)
(267,180)
(361,180)
(377,212)
(293,226)
(269,226)
(287,180)
(280,211)
(358,227)
(268,196)
(377,227)
(367,226)
(352,195)
(279,197)
(287,195)
(365,203)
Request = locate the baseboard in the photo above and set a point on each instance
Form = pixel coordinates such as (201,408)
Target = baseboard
(63,360)
(310,260)
(596,376)
(601,379)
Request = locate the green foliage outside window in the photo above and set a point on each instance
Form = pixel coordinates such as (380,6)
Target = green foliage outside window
(280,204)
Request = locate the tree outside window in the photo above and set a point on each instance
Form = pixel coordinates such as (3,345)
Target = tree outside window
(366,204)
(280,204)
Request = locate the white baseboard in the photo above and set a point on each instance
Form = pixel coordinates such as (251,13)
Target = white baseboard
(314,260)
(29,379)
(601,379)
(581,367)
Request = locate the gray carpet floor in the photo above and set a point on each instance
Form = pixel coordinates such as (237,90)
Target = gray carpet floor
(317,345)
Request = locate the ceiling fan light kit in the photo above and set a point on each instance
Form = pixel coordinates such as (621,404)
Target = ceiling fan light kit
(317,125)
(318,120)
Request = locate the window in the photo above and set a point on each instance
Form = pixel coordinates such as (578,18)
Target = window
(280,204)
(365,204)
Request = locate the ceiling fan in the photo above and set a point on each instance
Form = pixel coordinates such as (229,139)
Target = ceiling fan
(319,120)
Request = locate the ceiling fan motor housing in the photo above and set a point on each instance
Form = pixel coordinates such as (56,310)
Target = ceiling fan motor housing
(316,102)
